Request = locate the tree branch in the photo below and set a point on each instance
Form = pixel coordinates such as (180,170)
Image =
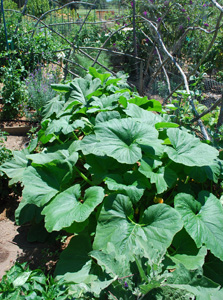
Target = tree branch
(207,111)
(201,125)
(203,57)
(114,32)
(217,5)
(220,117)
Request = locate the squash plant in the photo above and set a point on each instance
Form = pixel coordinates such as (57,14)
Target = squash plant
(141,196)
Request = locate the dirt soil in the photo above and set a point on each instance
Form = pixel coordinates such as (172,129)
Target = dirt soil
(16,142)
(13,239)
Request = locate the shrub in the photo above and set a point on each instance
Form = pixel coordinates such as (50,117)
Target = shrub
(13,92)
(39,90)
(38,7)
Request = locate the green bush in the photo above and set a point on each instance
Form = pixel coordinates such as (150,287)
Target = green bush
(38,7)
(9,4)
(13,93)
(5,153)
(21,283)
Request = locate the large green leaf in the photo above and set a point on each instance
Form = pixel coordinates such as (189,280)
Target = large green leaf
(142,115)
(74,257)
(43,183)
(188,150)
(213,269)
(95,74)
(15,168)
(46,157)
(68,207)
(90,145)
(149,105)
(120,139)
(81,90)
(54,106)
(75,266)
(195,283)
(42,137)
(106,116)
(132,184)
(184,251)
(61,87)
(151,236)
(163,177)
(26,212)
(200,174)
(166,125)
(118,266)
(101,166)
(154,148)
(202,220)
(139,101)
(104,103)
(63,125)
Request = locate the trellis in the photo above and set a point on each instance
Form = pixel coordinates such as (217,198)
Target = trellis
(142,64)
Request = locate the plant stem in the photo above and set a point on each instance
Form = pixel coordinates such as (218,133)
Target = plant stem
(187,180)
(171,201)
(58,139)
(168,164)
(83,176)
(76,138)
(113,296)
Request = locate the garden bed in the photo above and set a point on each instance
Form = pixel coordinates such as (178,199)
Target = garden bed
(17,127)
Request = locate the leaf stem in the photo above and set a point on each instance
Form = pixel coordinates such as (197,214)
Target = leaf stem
(83,176)
(126,276)
(113,296)
(169,163)
(57,138)
(172,250)
(75,136)
(167,200)
(187,180)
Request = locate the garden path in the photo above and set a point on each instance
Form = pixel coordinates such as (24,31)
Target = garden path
(9,249)
(13,239)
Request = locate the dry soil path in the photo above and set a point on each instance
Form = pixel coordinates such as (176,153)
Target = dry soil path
(13,239)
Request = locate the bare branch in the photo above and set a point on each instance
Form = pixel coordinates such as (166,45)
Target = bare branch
(134,27)
(56,63)
(84,21)
(202,127)
(59,8)
(207,111)
(217,27)
(106,42)
(217,5)
(161,63)
(75,63)
(112,51)
(113,296)
(220,117)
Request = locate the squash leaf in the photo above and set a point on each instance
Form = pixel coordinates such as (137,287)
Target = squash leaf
(152,235)
(202,220)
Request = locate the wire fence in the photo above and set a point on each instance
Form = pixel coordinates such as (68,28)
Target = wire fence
(66,19)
